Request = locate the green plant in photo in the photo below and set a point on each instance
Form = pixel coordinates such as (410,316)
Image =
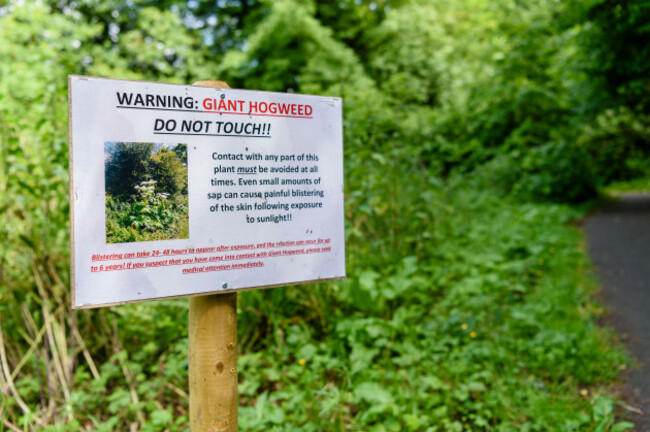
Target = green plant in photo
(149,216)
(146,192)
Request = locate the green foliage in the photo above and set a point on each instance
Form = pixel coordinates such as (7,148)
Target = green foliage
(147,217)
(169,170)
(453,337)
(468,303)
(403,63)
(292,51)
(555,171)
(353,21)
(617,42)
(619,144)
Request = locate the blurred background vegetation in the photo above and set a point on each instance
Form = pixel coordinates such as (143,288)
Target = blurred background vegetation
(475,131)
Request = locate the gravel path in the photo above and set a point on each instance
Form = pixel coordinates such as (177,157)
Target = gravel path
(619,244)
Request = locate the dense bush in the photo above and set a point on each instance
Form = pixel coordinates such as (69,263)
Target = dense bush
(618,144)
(149,216)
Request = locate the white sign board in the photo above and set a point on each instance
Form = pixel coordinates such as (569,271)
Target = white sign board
(179,190)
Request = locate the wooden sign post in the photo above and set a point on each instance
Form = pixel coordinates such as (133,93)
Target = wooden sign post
(212,335)
(255,200)
(213,363)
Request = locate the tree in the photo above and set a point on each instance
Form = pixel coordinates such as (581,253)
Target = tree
(127,165)
(292,51)
(617,41)
(181,153)
(167,169)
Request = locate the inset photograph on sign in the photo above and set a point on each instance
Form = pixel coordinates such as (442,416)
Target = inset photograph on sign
(146,191)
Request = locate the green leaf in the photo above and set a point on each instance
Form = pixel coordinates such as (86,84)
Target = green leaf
(372,392)
(161,418)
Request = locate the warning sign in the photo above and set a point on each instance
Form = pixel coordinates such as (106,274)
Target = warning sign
(180,190)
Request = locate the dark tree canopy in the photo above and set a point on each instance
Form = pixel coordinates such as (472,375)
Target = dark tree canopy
(130,164)
(127,165)
(620,45)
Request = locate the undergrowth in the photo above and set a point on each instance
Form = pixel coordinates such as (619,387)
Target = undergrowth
(147,217)
(474,313)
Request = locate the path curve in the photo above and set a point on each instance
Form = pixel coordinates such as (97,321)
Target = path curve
(618,238)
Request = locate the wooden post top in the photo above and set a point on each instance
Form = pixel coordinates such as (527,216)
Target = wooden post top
(213,84)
